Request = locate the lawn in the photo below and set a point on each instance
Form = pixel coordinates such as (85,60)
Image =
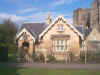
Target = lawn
(4,70)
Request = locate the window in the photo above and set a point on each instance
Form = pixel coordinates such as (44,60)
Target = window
(59,45)
(94,36)
(60,28)
(67,44)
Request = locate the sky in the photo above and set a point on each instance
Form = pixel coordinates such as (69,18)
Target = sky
(21,11)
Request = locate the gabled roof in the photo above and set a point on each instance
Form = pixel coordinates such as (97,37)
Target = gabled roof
(39,29)
(70,25)
(33,28)
(79,28)
(86,32)
(21,33)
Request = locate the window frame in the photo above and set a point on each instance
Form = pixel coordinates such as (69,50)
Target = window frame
(60,45)
(60,28)
(95,37)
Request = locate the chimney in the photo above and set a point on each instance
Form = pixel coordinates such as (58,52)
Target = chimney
(48,19)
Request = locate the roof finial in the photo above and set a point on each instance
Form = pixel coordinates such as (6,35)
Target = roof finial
(48,19)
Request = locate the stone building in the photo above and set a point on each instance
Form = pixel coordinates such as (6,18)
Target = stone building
(58,39)
(95,14)
(91,18)
(93,38)
(81,16)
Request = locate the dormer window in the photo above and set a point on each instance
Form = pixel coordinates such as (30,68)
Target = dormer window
(60,28)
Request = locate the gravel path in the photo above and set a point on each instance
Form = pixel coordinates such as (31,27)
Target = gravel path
(56,66)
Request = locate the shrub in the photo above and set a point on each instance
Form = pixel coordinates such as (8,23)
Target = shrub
(51,58)
(41,58)
(97,57)
(82,56)
(35,57)
(90,56)
(38,58)
(3,54)
(12,57)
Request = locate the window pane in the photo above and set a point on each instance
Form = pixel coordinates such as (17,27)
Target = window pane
(94,36)
(61,42)
(57,42)
(59,45)
(67,44)
(60,28)
(62,47)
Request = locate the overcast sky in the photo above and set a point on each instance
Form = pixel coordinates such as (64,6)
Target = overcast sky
(35,10)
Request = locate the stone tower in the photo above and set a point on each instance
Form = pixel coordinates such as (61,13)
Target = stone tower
(95,14)
(81,17)
(48,19)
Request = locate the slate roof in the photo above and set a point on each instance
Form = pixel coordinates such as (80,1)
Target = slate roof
(34,28)
(80,29)
(37,28)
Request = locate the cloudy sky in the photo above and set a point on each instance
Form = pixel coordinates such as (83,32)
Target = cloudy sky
(21,11)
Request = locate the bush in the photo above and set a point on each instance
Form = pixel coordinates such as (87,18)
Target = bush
(38,58)
(91,56)
(51,58)
(42,58)
(82,56)
(12,57)
(35,57)
(3,54)
(97,57)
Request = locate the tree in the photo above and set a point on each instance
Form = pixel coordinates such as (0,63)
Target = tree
(12,30)
(3,44)
(7,34)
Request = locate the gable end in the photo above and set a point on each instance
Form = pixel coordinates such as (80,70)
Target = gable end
(24,30)
(55,21)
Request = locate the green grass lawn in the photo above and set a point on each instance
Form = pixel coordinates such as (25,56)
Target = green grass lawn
(29,71)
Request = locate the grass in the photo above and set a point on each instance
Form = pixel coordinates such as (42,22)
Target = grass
(12,57)
(4,70)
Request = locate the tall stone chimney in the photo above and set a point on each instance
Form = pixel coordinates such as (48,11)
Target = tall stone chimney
(48,19)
